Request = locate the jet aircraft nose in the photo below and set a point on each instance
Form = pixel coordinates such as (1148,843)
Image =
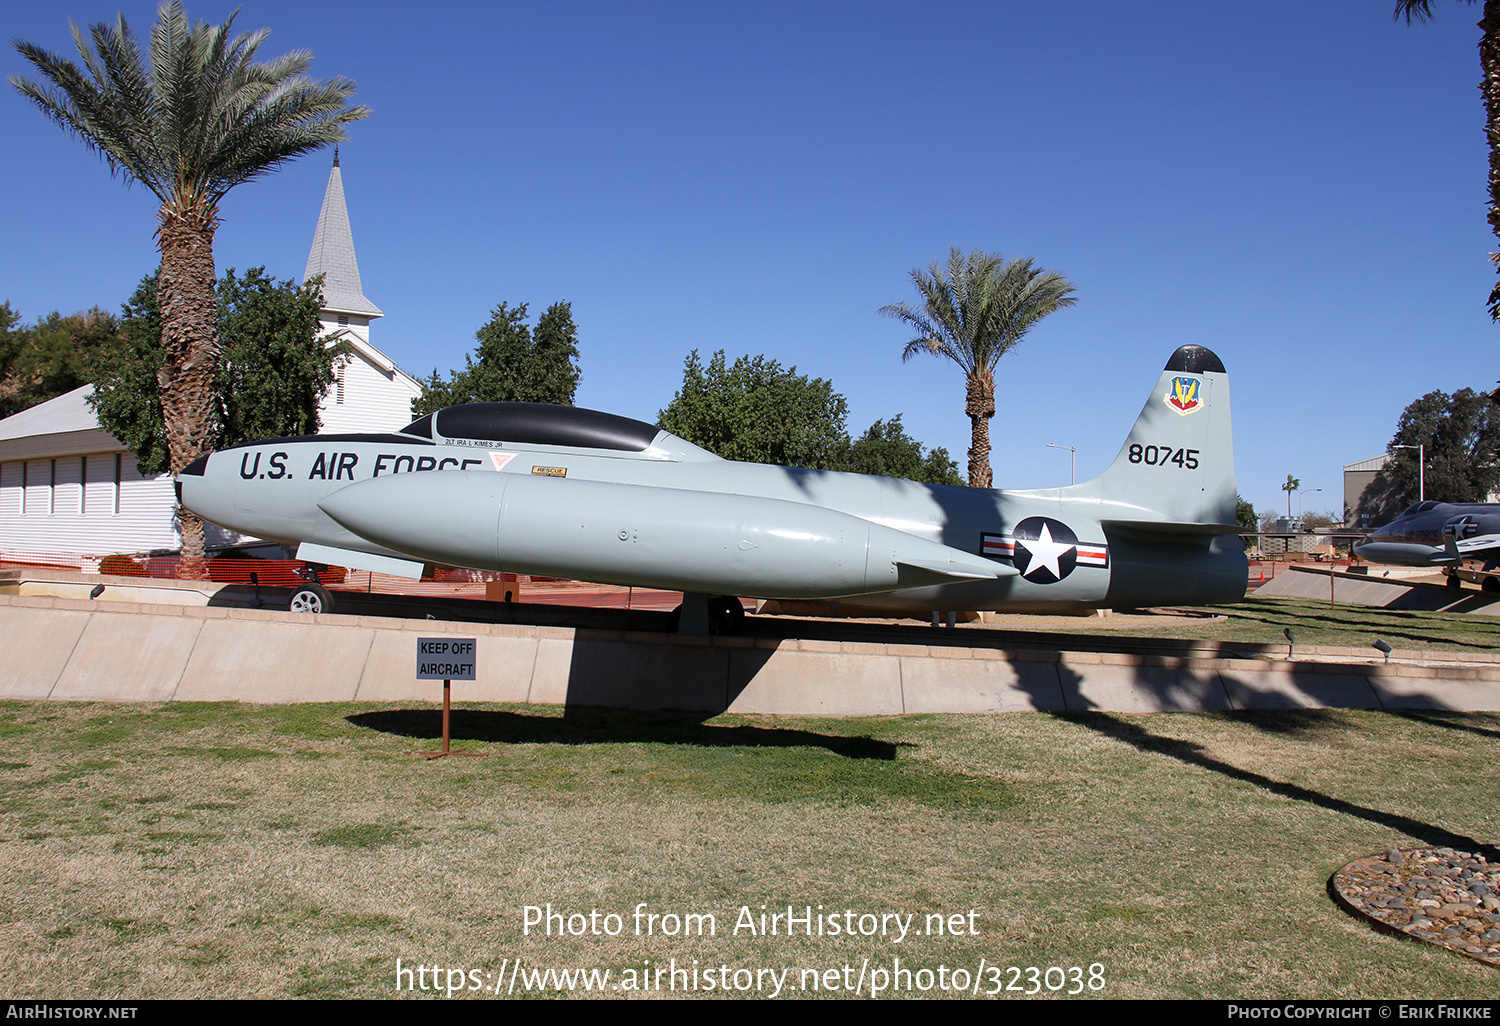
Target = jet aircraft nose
(197,468)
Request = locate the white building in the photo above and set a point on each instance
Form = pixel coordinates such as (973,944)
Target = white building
(70,489)
(66,487)
(372,393)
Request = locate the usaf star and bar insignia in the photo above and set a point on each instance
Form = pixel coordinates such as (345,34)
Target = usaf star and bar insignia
(1044,550)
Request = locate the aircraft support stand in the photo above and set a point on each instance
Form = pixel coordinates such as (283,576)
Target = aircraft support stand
(695,617)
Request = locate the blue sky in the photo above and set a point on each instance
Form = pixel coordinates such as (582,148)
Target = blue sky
(1299,187)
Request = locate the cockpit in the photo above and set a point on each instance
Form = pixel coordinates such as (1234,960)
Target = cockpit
(1419,507)
(526,424)
(535,424)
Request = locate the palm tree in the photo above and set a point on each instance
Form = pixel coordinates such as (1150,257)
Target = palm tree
(1489,87)
(1292,484)
(975,311)
(189,121)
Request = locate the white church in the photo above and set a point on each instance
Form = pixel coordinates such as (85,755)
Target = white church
(70,492)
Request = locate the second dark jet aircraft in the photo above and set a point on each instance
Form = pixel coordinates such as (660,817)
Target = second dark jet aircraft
(1438,534)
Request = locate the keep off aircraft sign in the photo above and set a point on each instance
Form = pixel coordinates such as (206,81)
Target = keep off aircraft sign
(445,659)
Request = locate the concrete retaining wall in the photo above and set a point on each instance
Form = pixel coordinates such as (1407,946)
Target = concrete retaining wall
(79,650)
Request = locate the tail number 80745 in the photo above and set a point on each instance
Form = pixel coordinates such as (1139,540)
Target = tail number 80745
(1163,455)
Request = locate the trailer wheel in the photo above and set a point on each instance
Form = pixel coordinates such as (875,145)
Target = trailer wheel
(727,614)
(1491,584)
(310,598)
(1454,582)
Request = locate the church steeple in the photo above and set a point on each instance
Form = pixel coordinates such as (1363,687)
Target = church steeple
(332,254)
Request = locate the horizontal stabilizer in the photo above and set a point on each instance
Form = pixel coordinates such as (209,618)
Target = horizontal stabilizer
(355,560)
(1175,528)
(963,571)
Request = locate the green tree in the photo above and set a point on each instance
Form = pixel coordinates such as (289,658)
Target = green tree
(757,411)
(514,363)
(886,449)
(11,341)
(973,312)
(1244,513)
(1489,87)
(554,375)
(1291,485)
(276,367)
(127,393)
(190,120)
(51,357)
(1460,439)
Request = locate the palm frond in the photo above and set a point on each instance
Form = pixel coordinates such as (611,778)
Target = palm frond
(196,116)
(978,307)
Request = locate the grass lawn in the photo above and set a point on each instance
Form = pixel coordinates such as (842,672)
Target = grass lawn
(1314,622)
(228,850)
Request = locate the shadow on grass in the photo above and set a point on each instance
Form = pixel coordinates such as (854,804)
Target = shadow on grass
(1291,723)
(1415,626)
(1451,721)
(1192,753)
(591,726)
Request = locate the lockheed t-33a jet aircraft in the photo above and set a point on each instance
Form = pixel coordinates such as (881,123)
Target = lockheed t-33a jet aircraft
(572,493)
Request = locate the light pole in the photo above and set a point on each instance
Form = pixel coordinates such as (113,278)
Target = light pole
(1073,475)
(1421,468)
(1299,500)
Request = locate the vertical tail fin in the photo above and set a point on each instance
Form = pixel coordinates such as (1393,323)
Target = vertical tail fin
(1177,464)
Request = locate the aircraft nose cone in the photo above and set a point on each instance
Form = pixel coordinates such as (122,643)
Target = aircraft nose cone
(195,493)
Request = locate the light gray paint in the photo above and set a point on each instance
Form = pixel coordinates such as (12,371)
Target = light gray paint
(1157,527)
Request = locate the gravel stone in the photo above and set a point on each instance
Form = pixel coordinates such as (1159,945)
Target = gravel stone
(1432,894)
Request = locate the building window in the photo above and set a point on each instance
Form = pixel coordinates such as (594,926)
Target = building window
(117,483)
(11,489)
(83,485)
(340,400)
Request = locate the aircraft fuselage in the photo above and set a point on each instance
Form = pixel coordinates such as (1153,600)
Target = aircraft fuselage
(574,493)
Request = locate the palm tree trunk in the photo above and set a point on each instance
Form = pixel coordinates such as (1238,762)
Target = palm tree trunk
(980,406)
(190,338)
(1489,62)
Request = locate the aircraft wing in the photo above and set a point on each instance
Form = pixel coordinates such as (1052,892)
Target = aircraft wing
(1472,548)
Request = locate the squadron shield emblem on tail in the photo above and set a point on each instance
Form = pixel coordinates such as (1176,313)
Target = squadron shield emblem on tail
(1184,397)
